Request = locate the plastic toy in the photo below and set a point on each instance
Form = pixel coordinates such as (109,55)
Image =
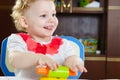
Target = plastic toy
(62,73)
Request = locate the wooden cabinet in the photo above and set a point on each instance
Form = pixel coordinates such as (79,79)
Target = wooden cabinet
(84,23)
(113,39)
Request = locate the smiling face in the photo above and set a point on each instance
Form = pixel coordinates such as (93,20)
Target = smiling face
(40,19)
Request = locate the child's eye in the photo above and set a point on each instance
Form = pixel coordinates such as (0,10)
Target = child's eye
(43,15)
(53,14)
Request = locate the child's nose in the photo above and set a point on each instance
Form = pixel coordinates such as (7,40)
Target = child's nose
(51,19)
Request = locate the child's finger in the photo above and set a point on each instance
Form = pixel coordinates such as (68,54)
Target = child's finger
(81,68)
(41,66)
(52,66)
(85,70)
(73,68)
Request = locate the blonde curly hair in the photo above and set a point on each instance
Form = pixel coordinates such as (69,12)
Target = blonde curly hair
(18,10)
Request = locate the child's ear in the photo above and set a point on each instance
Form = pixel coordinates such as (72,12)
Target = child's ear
(23,21)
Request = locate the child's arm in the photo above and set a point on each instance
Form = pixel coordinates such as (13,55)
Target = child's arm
(75,64)
(27,60)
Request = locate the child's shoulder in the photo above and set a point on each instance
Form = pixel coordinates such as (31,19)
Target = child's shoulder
(15,37)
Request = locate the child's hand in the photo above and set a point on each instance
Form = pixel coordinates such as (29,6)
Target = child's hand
(45,61)
(75,64)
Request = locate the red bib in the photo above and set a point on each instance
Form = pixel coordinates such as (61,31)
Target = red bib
(51,48)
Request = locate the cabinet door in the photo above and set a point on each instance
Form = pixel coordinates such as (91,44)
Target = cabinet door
(113,39)
(96,68)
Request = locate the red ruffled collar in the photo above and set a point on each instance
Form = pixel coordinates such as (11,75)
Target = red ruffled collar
(51,48)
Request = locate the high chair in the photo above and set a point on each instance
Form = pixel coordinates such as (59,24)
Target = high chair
(8,70)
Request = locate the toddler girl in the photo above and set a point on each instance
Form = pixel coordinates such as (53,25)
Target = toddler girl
(35,45)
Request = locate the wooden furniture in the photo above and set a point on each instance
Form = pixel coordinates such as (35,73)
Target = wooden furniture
(113,39)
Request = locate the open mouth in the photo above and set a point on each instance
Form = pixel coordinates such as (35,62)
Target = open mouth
(48,28)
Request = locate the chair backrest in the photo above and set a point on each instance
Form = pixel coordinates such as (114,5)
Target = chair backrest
(81,49)
(7,72)
(3,60)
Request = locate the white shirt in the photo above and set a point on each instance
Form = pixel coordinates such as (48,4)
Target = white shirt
(16,42)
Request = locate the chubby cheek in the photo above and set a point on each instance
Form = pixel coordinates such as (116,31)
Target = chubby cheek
(56,24)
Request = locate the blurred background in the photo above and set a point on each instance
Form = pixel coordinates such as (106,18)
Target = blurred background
(96,23)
